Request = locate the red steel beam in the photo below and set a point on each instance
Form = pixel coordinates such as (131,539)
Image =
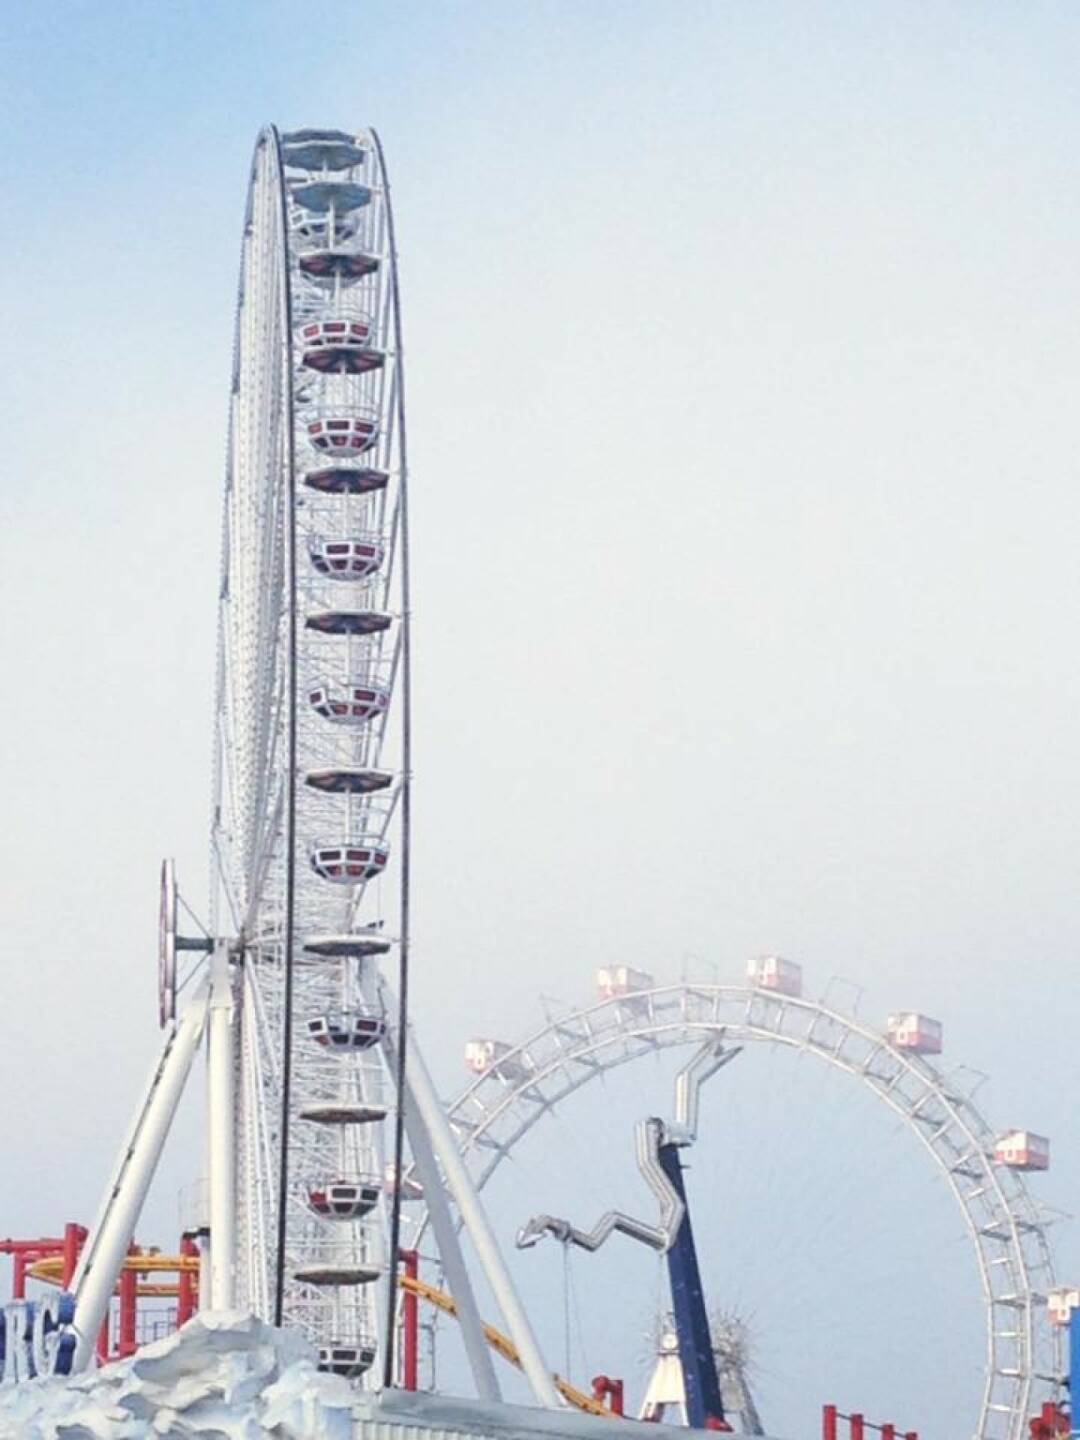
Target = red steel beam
(410,1324)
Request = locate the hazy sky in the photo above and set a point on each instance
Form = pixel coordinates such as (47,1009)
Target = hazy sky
(742,350)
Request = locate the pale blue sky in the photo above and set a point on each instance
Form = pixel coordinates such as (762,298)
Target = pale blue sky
(742,359)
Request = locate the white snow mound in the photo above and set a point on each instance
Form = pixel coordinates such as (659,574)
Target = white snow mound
(224,1376)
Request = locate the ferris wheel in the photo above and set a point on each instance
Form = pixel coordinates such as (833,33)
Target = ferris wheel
(634,1017)
(308,1048)
(310,772)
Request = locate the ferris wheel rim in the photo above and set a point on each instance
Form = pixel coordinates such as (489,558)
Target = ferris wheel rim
(268,140)
(636,1019)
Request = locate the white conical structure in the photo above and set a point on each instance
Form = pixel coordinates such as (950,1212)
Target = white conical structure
(666,1390)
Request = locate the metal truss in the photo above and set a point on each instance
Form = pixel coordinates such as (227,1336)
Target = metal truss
(1007,1229)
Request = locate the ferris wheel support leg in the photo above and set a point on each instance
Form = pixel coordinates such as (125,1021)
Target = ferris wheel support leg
(103,1255)
(446,1236)
(220,1104)
(474,1217)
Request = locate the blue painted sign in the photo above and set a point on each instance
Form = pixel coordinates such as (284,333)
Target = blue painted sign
(36,1338)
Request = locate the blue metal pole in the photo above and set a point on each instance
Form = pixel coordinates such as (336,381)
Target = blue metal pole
(1074,1372)
(703,1400)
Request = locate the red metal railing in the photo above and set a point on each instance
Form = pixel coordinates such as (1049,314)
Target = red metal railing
(858,1426)
(124,1324)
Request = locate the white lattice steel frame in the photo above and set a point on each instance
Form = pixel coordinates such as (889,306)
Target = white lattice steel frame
(1008,1232)
(268,660)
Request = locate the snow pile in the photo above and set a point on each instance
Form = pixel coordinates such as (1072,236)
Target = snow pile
(224,1376)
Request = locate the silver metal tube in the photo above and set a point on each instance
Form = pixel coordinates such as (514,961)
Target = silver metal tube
(701,1067)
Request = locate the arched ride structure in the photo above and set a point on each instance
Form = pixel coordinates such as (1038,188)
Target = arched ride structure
(1023,1351)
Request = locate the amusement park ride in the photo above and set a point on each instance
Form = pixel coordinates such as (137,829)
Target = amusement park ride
(329,1153)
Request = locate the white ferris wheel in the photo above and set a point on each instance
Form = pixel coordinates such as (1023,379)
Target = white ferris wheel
(314,1081)
(310,1094)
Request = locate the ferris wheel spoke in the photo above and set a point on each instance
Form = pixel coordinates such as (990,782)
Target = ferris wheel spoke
(261,866)
(224,879)
(266,1054)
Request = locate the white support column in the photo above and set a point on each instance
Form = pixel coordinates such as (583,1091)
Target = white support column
(476,1222)
(221,1132)
(446,1238)
(103,1255)
(205,1281)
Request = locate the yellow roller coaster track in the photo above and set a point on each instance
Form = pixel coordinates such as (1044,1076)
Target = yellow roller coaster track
(502,1344)
(51,1269)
